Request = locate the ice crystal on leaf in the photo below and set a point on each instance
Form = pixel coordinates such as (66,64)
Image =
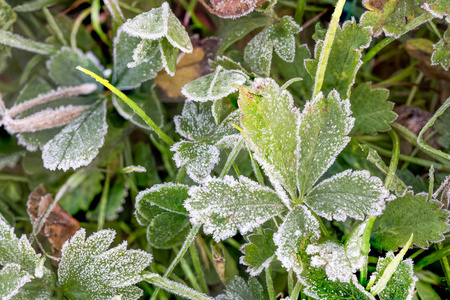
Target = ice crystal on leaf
(238,289)
(225,206)
(88,270)
(438,8)
(354,245)
(270,122)
(214,86)
(298,230)
(441,54)
(322,134)
(348,194)
(12,278)
(258,252)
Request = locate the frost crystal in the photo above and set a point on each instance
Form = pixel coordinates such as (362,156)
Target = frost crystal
(299,228)
(12,278)
(88,270)
(225,206)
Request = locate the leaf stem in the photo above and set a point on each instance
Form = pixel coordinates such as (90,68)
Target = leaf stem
(256,169)
(326,50)
(198,268)
(365,249)
(394,159)
(445,264)
(76,26)
(232,157)
(103,202)
(377,48)
(269,283)
(95,20)
(13,177)
(187,243)
(296,291)
(54,26)
(131,104)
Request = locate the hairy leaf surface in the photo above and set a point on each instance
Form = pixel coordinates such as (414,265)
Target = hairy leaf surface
(238,289)
(258,252)
(225,206)
(322,134)
(88,270)
(406,215)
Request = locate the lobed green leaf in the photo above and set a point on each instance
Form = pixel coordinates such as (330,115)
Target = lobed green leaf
(258,252)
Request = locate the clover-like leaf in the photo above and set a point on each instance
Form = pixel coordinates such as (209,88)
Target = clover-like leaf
(441,54)
(393,17)
(12,278)
(214,86)
(348,194)
(402,283)
(344,59)
(79,142)
(238,289)
(225,206)
(134,61)
(299,229)
(270,122)
(406,215)
(161,209)
(370,109)
(278,38)
(258,252)
(196,121)
(323,129)
(88,270)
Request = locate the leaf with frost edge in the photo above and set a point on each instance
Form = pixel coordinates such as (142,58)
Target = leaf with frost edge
(290,231)
(22,277)
(255,270)
(245,223)
(348,121)
(78,249)
(366,187)
(157,189)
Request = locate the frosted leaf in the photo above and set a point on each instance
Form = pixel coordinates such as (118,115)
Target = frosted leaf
(116,198)
(168,196)
(145,51)
(353,247)
(238,289)
(169,55)
(270,122)
(157,23)
(43,287)
(79,142)
(441,54)
(322,134)
(196,121)
(62,67)
(259,252)
(16,251)
(348,194)
(299,228)
(225,206)
(130,78)
(115,11)
(344,59)
(18,41)
(199,158)
(88,270)
(438,8)
(214,86)
(12,278)
(402,283)
(332,258)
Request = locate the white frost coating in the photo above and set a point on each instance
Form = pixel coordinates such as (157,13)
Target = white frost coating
(225,206)
(299,226)
(436,14)
(353,247)
(322,135)
(349,194)
(79,142)
(214,86)
(445,184)
(256,271)
(131,169)
(88,267)
(116,12)
(141,53)
(195,122)
(7,288)
(333,258)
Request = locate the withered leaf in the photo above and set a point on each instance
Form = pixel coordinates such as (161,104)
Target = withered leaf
(59,225)
(231,8)
(191,66)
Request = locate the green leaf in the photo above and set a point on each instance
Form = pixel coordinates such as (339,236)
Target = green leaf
(161,209)
(169,55)
(7,15)
(87,186)
(225,206)
(233,30)
(43,287)
(354,247)
(145,51)
(270,123)
(196,121)
(16,251)
(348,194)
(62,67)
(370,109)
(441,54)
(17,41)
(157,23)
(299,229)
(12,278)
(344,59)
(438,8)
(238,289)
(320,287)
(402,283)
(258,252)
(79,142)
(393,17)
(214,86)
(426,291)
(324,126)
(114,205)
(88,270)
(406,215)
(124,57)
(443,128)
